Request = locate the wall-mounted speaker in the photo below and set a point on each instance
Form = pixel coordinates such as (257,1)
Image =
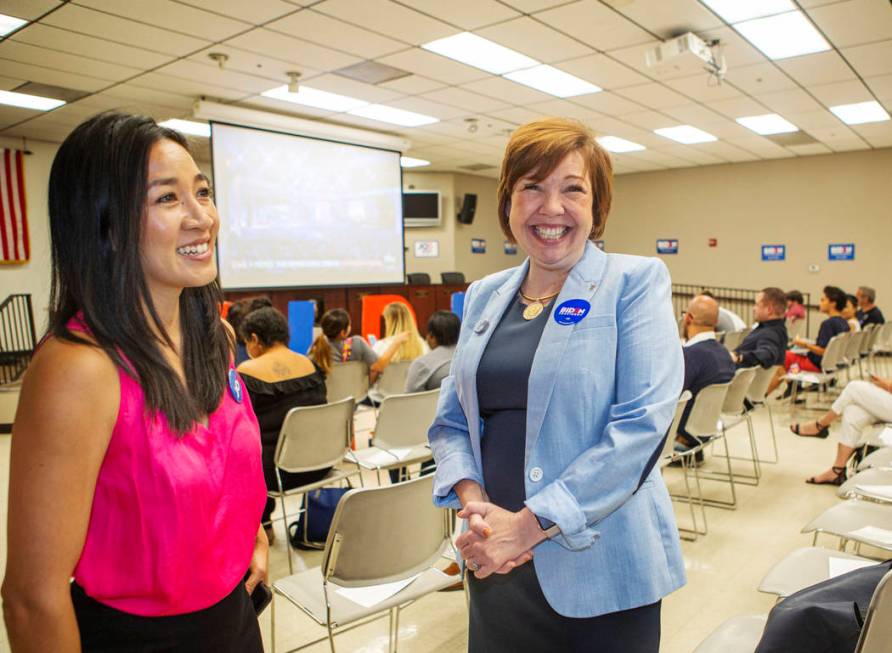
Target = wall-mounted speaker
(468,206)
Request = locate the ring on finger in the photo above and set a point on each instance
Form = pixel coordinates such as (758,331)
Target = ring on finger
(472,565)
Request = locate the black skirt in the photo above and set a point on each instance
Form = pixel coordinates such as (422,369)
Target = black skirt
(229,626)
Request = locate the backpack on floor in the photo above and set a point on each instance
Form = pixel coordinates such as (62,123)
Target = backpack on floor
(320,507)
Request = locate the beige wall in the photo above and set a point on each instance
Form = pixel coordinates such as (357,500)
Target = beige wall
(804,203)
(444,234)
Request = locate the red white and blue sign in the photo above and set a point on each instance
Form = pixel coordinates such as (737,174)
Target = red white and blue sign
(774,252)
(841,251)
(478,246)
(571,311)
(235,386)
(667,246)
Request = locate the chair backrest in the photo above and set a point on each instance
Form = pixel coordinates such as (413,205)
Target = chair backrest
(452,277)
(733,339)
(384,534)
(853,346)
(740,384)
(404,419)
(876,634)
(393,379)
(759,387)
(870,336)
(419,278)
(704,416)
(834,352)
(315,437)
(669,444)
(885,335)
(350,379)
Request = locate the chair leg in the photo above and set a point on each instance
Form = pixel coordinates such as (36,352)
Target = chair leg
(272,622)
(285,522)
(773,433)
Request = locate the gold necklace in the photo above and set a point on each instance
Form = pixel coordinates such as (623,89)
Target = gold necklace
(535,307)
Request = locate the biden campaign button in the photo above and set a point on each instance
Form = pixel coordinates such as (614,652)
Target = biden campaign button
(235,386)
(571,311)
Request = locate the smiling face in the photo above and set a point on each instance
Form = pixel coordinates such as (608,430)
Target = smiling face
(551,219)
(179,225)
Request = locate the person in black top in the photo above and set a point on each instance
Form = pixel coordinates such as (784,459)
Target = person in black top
(765,345)
(868,311)
(706,361)
(277,380)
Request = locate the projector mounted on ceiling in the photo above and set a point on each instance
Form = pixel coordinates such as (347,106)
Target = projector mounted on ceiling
(687,53)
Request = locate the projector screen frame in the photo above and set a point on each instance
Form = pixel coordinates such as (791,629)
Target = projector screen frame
(382,148)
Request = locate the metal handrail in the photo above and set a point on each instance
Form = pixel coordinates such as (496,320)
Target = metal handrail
(17,336)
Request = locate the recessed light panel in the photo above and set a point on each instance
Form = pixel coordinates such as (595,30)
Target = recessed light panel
(26,101)
(188,127)
(552,81)
(734,11)
(480,52)
(784,35)
(617,144)
(410,162)
(770,123)
(393,116)
(860,112)
(686,134)
(313,97)
(10,23)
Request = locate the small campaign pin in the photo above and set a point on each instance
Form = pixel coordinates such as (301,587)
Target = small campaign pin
(235,386)
(571,311)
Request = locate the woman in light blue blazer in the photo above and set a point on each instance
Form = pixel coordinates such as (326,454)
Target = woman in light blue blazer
(563,385)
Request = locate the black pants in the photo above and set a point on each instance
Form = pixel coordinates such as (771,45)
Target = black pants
(509,614)
(229,626)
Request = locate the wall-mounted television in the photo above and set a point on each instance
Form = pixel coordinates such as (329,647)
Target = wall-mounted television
(421,208)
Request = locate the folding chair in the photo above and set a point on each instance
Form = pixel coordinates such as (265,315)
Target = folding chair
(400,433)
(350,379)
(757,394)
(733,339)
(846,519)
(852,355)
(393,379)
(882,343)
(736,635)
(803,568)
(734,412)
(879,458)
(313,438)
(377,536)
(870,335)
(860,486)
(877,630)
(830,362)
(669,455)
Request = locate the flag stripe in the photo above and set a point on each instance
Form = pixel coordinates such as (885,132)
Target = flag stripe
(9,202)
(15,246)
(23,206)
(3,217)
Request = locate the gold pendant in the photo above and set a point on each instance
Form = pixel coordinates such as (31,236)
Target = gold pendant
(532,311)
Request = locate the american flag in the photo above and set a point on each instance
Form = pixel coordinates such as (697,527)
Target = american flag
(14,245)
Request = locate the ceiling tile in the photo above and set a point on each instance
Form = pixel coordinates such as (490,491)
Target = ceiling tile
(653,95)
(663,158)
(760,78)
(854,22)
(810,149)
(565,109)
(649,120)
(695,114)
(30,54)
(412,85)
(841,93)
(333,33)
(193,88)
(727,151)
(739,107)
(140,94)
(51,76)
(730,131)
(458,97)
(11,115)
(818,68)
(289,108)
(881,86)
(603,71)
(595,24)
(736,49)
(871,60)
(171,17)
(506,90)
(809,120)
(255,12)
(667,18)
(256,65)
(635,57)
(793,101)
(535,40)
(9,83)
(28,9)
(120,30)
(849,146)
(608,103)
(212,74)
(352,88)
(434,66)
(428,107)
(701,88)
(386,17)
(467,14)
(878,134)
(831,135)
(517,115)
(296,51)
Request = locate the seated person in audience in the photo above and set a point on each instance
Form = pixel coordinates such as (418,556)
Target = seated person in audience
(833,301)
(765,345)
(848,313)
(236,314)
(336,345)
(728,320)
(398,322)
(861,404)
(277,380)
(427,372)
(706,361)
(868,311)
(795,307)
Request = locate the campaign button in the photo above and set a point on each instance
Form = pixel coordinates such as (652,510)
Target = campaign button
(571,311)
(235,386)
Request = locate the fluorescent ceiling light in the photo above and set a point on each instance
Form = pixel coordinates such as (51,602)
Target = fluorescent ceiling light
(188,127)
(860,112)
(617,144)
(552,81)
(313,97)
(394,116)
(784,35)
(409,162)
(480,52)
(9,24)
(686,134)
(734,11)
(29,101)
(768,124)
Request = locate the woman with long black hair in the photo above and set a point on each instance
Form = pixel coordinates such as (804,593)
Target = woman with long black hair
(135,466)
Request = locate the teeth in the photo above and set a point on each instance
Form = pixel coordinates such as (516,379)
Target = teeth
(193,250)
(550,233)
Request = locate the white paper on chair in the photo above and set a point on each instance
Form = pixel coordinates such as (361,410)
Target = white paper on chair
(372,595)
(873,534)
(885,436)
(839,566)
(884,491)
(381,458)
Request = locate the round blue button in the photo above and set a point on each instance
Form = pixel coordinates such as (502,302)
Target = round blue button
(571,311)
(235,386)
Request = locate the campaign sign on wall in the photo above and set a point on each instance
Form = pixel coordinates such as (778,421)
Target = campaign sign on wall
(841,251)
(774,252)
(427,248)
(667,246)
(510,248)
(478,246)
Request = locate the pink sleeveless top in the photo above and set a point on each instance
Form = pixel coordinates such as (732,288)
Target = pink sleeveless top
(174,518)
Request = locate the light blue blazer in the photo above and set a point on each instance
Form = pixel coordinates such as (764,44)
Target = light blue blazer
(602,393)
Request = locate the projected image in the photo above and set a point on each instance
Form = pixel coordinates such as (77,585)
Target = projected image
(299,211)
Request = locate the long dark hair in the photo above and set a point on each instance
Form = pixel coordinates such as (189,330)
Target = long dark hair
(97,198)
(333,322)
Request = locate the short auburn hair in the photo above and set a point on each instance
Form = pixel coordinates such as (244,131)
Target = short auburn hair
(537,148)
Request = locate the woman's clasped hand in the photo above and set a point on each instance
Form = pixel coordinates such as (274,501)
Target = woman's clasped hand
(497,540)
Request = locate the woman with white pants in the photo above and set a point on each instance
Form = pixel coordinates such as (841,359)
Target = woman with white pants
(861,404)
